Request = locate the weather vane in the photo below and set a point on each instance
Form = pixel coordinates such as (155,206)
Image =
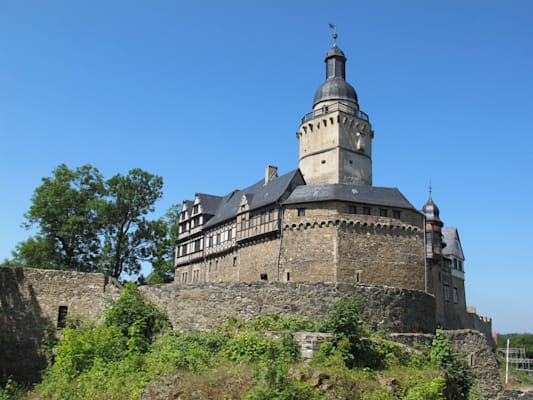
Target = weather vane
(334,27)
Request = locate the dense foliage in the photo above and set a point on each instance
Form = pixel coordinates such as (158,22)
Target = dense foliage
(87,223)
(134,345)
(517,340)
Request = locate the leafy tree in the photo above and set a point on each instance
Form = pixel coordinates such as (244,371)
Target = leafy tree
(65,208)
(86,223)
(127,231)
(164,233)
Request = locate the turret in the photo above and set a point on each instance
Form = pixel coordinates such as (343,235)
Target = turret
(336,137)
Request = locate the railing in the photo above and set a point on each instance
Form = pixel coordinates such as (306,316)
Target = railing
(335,107)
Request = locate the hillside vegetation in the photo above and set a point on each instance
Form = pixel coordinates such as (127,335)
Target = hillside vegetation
(133,350)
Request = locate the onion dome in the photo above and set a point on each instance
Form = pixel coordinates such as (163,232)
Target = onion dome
(335,88)
(430,210)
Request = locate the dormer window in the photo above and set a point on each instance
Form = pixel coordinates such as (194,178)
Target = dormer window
(195,209)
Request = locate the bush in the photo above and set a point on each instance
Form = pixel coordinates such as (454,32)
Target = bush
(194,351)
(458,375)
(252,347)
(138,320)
(426,389)
(274,383)
(12,391)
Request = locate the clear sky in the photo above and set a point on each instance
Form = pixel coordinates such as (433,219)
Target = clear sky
(206,93)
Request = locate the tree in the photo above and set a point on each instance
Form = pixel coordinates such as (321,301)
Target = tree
(88,224)
(127,232)
(65,207)
(165,233)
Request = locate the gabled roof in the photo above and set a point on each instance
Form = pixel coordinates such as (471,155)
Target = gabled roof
(450,236)
(257,195)
(391,197)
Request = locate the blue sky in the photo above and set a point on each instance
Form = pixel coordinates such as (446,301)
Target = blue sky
(207,93)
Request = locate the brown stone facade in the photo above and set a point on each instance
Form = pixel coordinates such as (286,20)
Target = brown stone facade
(206,305)
(33,299)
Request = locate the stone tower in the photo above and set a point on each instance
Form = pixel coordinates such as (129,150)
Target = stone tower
(336,137)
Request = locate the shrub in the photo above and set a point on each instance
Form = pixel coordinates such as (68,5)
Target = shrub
(11,391)
(274,383)
(138,320)
(193,351)
(458,375)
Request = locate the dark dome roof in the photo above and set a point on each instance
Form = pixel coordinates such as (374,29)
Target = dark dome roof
(335,87)
(335,51)
(430,210)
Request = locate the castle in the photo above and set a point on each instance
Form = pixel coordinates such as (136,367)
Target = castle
(325,222)
(292,245)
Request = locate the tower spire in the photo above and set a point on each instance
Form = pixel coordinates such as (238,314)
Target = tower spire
(334,28)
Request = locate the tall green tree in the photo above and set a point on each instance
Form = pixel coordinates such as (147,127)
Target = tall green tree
(165,233)
(65,210)
(127,231)
(86,223)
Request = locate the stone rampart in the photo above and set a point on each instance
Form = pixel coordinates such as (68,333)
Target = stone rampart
(33,299)
(203,306)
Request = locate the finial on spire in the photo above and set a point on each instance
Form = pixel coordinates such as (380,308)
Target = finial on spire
(334,27)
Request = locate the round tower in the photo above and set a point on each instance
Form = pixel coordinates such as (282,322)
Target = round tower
(433,229)
(335,138)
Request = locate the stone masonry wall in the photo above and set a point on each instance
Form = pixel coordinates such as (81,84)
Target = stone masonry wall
(30,301)
(203,306)
(381,255)
(480,357)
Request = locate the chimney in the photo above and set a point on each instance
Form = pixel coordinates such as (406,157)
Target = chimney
(270,172)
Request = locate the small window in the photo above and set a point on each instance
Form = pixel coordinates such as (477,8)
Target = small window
(382,212)
(352,209)
(446,293)
(218,238)
(301,212)
(210,241)
(234,261)
(230,234)
(455,296)
(288,276)
(62,317)
(396,214)
(195,209)
(460,265)
(251,221)
(216,265)
(264,277)
(271,214)
(210,265)
(358,276)
(243,224)
(263,217)
(366,210)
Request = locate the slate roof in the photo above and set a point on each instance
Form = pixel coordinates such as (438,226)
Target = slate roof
(257,195)
(450,236)
(391,197)
(209,203)
(188,204)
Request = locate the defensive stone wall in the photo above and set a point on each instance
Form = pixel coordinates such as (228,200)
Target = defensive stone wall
(32,300)
(474,348)
(203,306)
